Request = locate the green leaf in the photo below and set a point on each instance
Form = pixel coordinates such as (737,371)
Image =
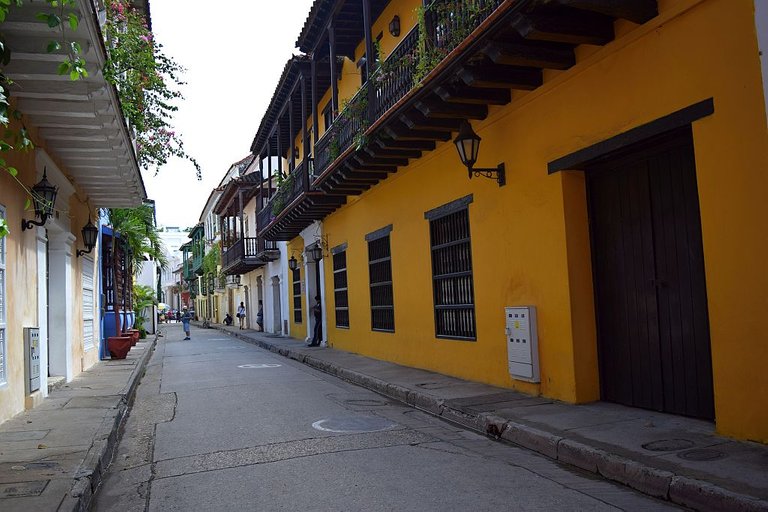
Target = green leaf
(54,46)
(42,16)
(53,20)
(3,14)
(74,75)
(64,67)
(76,48)
(73,21)
(27,204)
(14,171)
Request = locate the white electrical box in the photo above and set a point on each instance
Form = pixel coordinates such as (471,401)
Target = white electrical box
(522,343)
(32,359)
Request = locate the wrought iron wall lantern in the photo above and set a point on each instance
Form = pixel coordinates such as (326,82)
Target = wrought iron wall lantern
(319,249)
(468,145)
(90,236)
(293,263)
(43,197)
(238,280)
(394,26)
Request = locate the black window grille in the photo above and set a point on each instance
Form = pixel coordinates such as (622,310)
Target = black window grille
(328,115)
(452,276)
(297,296)
(340,289)
(380,271)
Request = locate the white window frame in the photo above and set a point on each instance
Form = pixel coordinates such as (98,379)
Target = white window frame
(3,311)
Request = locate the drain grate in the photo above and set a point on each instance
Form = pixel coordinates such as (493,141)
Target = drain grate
(702,455)
(668,445)
(432,385)
(23,489)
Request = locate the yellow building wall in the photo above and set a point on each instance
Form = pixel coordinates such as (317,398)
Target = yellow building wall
(530,240)
(20,270)
(297,330)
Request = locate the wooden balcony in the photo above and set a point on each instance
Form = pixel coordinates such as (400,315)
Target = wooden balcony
(473,55)
(248,254)
(294,206)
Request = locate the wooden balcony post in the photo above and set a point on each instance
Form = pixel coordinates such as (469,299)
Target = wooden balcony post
(279,150)
(332,60)
(292,153)
(304,133)
(240,205)
(269,166)
(313,85)
(370,59)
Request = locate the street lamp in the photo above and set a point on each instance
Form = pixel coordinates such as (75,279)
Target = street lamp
(90,235)
(43,196)
(316,253)
(468,145)
(293,263)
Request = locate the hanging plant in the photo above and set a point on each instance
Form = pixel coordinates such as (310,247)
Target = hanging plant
(147,81)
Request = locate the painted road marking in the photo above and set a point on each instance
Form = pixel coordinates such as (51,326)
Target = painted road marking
(259,365)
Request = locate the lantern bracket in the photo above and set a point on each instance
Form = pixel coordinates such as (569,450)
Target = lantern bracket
(497,173)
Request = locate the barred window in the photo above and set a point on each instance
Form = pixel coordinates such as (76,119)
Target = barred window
(452,276)
(380,271)
(3,302)
(340,289)
(297,296)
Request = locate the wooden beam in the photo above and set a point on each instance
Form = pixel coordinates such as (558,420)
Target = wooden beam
(573,28)
(539,55)
(399,131)
(375,151)
(440,109)
(637,11)
(422,145)
(460,94)
(416,120)
(495,76)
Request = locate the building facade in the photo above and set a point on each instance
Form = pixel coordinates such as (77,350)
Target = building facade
(595,237)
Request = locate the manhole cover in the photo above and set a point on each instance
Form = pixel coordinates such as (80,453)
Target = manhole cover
(354,424)
(701,454)
(668,445)
(367,403)
(259,365)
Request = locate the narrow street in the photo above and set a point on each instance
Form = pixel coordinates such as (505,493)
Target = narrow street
(219,424)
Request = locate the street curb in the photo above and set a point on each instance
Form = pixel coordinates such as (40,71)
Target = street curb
(655,482)
(99,455)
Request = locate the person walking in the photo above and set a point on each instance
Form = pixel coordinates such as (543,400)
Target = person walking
(186,316)
(260,316)
(318,334)
(241,314)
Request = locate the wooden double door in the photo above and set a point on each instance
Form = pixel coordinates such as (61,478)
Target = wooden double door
(650,289)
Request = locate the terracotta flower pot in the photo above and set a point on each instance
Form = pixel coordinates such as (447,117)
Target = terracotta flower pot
(119,346)
(134,333)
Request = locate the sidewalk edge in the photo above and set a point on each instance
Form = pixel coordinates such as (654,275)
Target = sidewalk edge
(98,457)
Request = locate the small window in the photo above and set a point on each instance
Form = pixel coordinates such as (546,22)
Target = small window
(340,289)
(296,296)
(453,286)
(3,302)
(380,271)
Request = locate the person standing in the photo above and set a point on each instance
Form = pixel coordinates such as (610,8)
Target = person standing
(260,316)
(318,334)
(186,316)
(241,314)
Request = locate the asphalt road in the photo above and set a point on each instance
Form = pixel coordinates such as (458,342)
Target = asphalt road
(220,425)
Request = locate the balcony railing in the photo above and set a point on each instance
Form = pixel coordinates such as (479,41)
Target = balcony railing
(291,188)
(446,24)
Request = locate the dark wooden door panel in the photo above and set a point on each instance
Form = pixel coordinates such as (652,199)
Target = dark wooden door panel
(653,329)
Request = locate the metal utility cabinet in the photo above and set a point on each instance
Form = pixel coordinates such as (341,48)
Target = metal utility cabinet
(32,358)
(522,343)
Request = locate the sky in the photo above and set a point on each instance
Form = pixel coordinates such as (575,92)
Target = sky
(234,52)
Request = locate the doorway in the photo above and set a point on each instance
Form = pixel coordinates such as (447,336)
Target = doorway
(650,288)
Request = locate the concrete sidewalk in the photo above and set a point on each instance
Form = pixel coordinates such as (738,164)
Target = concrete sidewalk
(669,457)
(52,457)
